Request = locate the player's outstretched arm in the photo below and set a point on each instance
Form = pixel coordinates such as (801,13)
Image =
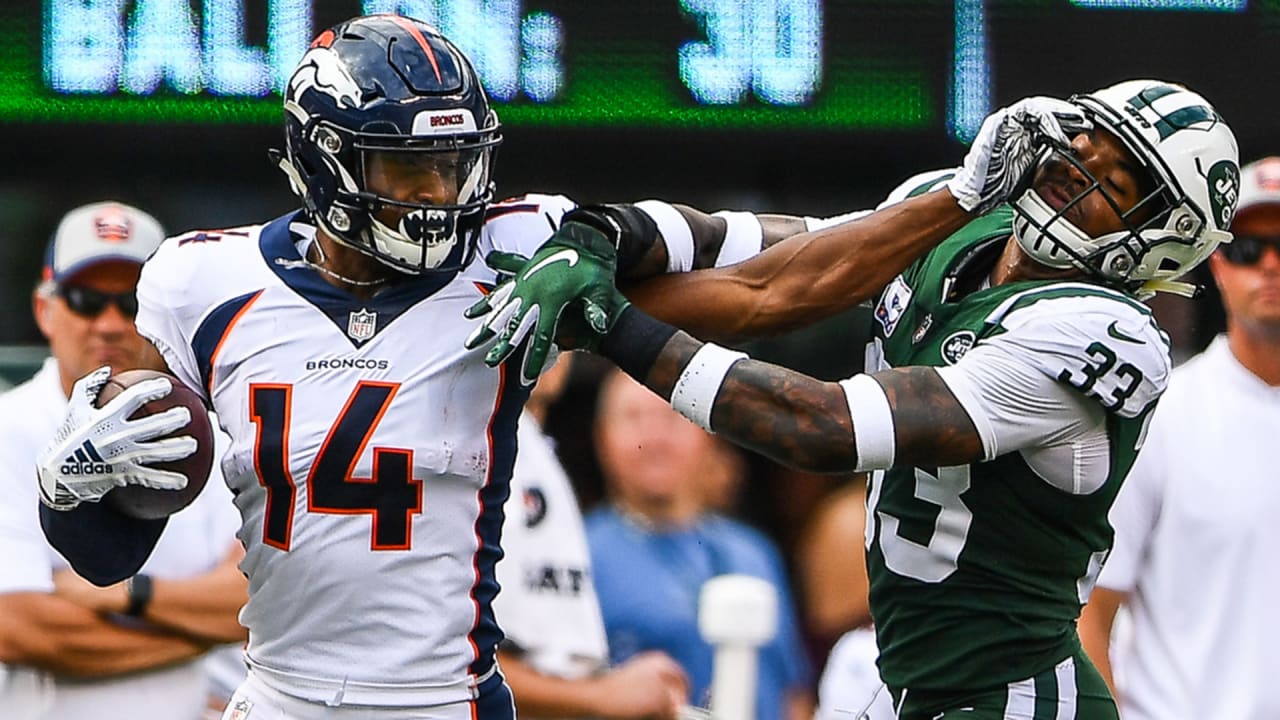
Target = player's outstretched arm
(804,278)
(795,282)
(901,416)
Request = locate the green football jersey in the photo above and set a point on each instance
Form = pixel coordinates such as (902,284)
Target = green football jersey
(978,572)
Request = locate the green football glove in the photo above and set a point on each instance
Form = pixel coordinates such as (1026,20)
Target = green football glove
(574,271)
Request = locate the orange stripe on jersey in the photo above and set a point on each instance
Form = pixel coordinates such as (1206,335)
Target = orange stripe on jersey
(213,356)
(488,478)
(422,42)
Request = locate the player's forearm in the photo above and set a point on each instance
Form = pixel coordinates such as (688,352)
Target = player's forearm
(104,546)
(787,416)
(804,278)
(206,606)
(708,235)
(47,632)
(1095,626)
(539,695)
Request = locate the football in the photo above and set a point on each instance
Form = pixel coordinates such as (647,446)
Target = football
(147,503)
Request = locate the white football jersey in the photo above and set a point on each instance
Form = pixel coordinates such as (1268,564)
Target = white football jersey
(370,455)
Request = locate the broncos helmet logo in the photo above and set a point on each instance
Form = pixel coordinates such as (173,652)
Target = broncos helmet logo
(322,70)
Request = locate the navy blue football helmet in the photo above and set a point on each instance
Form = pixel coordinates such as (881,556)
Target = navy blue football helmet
(390,84)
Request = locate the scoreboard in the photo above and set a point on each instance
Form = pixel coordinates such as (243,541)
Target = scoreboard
(928,66)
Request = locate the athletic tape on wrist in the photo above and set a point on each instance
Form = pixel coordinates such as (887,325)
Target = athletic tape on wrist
(635,342)
(676,233)
(742,237)
(699,384)
(873,430)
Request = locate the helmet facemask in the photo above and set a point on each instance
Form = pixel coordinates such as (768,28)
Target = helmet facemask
(1053,240)
(413,236)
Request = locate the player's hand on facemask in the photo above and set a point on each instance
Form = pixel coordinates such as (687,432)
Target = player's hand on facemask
(98,449)
(565,291)
(1007,147)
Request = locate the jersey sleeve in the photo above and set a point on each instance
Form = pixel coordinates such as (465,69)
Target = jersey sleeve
(1104,345)
(165,317)
(1013,405)
(521,224)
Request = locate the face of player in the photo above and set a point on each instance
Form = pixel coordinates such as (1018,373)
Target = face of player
(85,323)
(1117,171)
(653,459)
(1248,271)
(417,178)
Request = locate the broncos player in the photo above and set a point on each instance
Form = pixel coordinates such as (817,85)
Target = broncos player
(1011,375)
(370,452)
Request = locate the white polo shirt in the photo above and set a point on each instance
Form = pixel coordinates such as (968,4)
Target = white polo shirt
(548,605)
(1196,547)
(195,540)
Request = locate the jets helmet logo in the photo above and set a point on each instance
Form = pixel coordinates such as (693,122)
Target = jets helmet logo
(1224,191)
(1164,108)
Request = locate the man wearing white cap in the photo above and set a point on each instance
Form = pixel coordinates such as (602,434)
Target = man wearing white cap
(1196,536)
(69,650)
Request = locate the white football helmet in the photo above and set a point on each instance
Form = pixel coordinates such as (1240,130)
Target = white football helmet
(1191,155)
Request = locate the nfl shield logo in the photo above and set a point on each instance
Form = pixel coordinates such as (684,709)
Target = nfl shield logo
(360,325)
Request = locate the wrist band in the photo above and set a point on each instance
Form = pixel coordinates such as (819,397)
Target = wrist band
(873,431)
(139,590)
(635,342)
(676,234)
(699,384)
(743,237)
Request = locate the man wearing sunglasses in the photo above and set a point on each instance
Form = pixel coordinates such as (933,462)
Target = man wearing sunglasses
(1196,537)
(69,650)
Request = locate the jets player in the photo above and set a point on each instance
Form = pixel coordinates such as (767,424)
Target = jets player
(370,452)
(1009,381)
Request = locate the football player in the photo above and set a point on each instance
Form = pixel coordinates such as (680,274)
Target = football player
(370,452)
(1008,384)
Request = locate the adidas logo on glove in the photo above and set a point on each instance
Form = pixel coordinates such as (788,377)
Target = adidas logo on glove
(85,461)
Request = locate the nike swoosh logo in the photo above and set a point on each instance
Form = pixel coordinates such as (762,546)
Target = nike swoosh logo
(1114,331)
(568,255)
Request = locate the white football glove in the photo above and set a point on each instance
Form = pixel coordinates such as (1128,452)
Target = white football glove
(97,449)
(1007,147)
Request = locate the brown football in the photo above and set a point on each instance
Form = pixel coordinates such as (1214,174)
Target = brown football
(141,502)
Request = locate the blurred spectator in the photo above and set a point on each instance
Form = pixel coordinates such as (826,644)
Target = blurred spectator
(835,587)
(555,656)
(1196,537)
(70,650)
(656,543)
